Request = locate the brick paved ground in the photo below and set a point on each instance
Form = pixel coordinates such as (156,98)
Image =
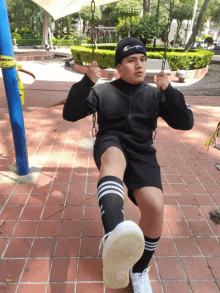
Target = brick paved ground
(49,241)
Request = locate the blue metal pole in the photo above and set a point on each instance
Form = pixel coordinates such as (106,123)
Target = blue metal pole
(13,95)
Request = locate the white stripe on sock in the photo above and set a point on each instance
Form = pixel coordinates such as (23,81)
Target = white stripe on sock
(111,182)
(108,187)
(110,191)
(151,243)
(151,246)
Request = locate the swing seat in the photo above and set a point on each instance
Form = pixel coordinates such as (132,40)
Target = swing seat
(111,73)
(68,61)
(154,66)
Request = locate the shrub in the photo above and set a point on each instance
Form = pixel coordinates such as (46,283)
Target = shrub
(62,42)
(201,58)
(29,42)
(209,40)
(37,42)
(194,59)
(189,60)
(104,58)
(111,46)
(16,36)
(25,32)
(179,41)
(82,55)
(178,60)
(88,40)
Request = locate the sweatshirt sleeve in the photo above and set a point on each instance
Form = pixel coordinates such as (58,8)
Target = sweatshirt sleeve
(174,110)
(79,101)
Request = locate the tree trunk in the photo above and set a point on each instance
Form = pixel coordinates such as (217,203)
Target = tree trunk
(129,29)
(196,26)
(177,32)
(146,6)
(45,29)
(185,37)
(218,31)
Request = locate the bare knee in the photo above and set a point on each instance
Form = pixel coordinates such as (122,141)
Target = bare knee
(113,163)
(151,204)
(150,200)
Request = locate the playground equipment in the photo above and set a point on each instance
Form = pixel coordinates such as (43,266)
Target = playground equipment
(11,82)
(215,215)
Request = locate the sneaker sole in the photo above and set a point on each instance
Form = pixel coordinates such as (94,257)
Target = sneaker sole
(123,253)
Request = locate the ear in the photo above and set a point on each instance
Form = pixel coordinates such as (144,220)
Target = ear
(118,67)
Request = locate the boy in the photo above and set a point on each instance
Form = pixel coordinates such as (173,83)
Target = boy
(127,113)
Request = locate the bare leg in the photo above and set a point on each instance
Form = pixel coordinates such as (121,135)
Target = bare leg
(112,163)
(151,204)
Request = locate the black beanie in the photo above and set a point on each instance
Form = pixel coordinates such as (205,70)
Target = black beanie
(128,46)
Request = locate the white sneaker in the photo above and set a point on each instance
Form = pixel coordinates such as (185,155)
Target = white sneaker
(121,250)
(140,282)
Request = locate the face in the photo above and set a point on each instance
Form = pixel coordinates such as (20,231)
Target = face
(132,68)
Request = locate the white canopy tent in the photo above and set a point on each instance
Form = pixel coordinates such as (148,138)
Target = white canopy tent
(61,8)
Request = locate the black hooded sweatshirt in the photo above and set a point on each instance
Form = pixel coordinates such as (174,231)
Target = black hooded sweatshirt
(128,111)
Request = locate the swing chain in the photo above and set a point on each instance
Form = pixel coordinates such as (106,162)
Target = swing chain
(93,28)
(165,47)
(167,36)
(94,128)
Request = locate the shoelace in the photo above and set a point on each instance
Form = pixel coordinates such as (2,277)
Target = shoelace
(103,241)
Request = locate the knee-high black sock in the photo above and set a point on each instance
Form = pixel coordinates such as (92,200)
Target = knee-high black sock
(150,247)
(111,201)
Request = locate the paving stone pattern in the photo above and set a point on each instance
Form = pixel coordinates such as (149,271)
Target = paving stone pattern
(207,86)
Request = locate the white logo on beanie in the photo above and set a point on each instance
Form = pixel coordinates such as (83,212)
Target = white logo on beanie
(129,47)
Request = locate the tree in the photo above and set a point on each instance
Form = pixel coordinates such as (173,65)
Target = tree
(25,13)
(113,18)
(126,9)
(86,15)
(124,26)
(215,18)
(209,40)
(180,13)
(109,14)
(147,29)
(196,26)
(146,6)
(45,29)
(65,25)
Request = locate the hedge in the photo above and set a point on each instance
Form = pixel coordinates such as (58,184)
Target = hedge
(28,42)
(66,42)
(105,58)
(34,42)
(111,46)
(189,60)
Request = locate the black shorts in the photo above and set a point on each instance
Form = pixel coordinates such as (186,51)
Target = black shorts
(142,169)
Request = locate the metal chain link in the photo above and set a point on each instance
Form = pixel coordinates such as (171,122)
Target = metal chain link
(167,36)
(94,127)
(93,29)
(165,47)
